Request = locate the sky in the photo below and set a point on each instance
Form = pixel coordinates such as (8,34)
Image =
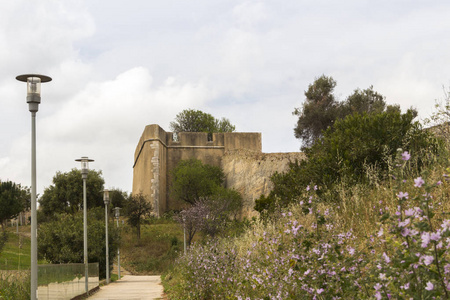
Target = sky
(118,66)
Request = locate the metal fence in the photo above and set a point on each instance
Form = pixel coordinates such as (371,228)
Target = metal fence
(65,281)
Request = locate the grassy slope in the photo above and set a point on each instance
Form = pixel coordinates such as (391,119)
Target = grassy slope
(16,253)
(160,243)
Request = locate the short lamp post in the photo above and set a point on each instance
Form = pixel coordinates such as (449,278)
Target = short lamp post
(106,200)
(84,173)
(33,99)
(117,215)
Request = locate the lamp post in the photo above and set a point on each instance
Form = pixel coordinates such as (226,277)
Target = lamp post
(106,200)
(33,99)
(184,231)
(117,215)
(84,173)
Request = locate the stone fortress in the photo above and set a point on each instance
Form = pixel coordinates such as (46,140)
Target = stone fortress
(239,154)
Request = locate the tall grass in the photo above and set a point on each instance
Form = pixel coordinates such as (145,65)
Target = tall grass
(161,242)
(338,252)
(15,288)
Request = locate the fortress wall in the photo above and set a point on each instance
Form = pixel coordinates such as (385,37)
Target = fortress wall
(242,140)
(149,172)
(249,173)
(246,168)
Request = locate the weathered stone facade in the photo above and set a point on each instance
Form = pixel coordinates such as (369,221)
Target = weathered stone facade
(246,168)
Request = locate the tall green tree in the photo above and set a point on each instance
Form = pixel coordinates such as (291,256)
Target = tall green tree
(13,200)
(190,120)
(60,240)
(211,206)
(355,144)
(66,192)
(318,112)
(321,109)
(192,180)
(363,101)
(118,198)
(137,207)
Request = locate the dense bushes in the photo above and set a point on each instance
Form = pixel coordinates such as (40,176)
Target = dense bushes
(357,149)
(61,240)
(314,250)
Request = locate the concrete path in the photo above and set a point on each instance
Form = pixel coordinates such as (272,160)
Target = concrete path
(131,287)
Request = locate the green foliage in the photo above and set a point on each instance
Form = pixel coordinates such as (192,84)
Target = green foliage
(313,250)
(192,180)
(13,200)
(157,249)
(440,119)
(321,110)
(61,239)
(346,152)
(190,120)
(137,207)
(359,141)
(16,251)
(15,288)
(318,111)
(118,198)
(363,101)
(66,193)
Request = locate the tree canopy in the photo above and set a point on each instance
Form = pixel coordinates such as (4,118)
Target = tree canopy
(60,239)
(321,109)
(137,206)
(212,206)
(318,111)
(13,200)
(192,180)
(190,120)
(66,192)
(348,151)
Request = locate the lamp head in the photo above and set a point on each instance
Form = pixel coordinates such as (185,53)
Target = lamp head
(106,196)
(33,89)
(84,165)
(117,212)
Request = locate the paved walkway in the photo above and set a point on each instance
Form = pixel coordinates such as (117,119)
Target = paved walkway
(131,287)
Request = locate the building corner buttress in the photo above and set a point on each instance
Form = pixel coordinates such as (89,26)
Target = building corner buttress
(155,181)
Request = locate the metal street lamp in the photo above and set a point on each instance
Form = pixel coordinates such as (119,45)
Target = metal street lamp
(33,99)
(84,173)
(117,215)
(106,200)
(184,231)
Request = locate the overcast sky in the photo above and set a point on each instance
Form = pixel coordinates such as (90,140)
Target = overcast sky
(120,65)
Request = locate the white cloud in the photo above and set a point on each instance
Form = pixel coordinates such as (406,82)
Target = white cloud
(117,68)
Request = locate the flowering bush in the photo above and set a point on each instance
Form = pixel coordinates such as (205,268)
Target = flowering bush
(308,254)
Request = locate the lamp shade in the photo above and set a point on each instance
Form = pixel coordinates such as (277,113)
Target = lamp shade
(84,163)
(33,89)
(106,196)
(117,212)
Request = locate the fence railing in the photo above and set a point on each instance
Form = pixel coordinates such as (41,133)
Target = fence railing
(65,281)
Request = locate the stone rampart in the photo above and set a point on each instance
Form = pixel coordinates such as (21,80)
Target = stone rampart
(249,173)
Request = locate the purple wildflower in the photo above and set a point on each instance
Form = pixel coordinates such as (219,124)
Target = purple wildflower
(406,156)
(402,195)
(427,259)
(425,239)
(418,182)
